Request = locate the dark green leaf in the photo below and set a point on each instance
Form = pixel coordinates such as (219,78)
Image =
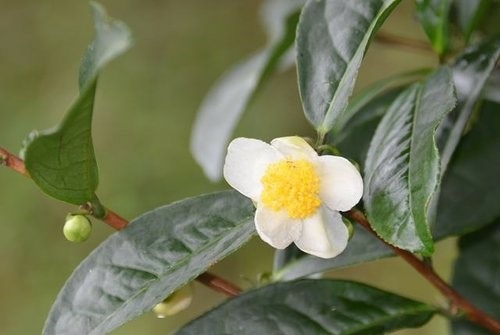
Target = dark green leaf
(366,110)
(470,191)
(489,24)
(354,140)
(61,160)
(478,151)
(365,97)
(433,15)
(308,307)
(469,14)
(492,88)
(470,73)
(156,254)
(332,38)
(231,95)
(402,165)
(476,275)
(472,182)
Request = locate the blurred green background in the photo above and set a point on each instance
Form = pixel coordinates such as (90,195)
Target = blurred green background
(146,103)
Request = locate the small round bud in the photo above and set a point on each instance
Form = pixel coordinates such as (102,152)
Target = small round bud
(77,228)
(174,303)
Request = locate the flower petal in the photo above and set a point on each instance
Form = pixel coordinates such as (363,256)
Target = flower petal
(246,162)
(323,234)
(341,185)
(294,147)
(276,228)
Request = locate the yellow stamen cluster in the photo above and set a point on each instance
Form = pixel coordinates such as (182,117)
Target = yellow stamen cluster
(292,186)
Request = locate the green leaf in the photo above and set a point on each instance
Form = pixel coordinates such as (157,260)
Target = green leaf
(354,140)
(156,254)
(402,165)
(312,307)
(476,275)
(433,15)
(477,151)
(332,38)
(61,160)
(230,96)
(365,110)
(373,91)
(471,188)
(472,181)
(469,14)
(489,24)
(470,74)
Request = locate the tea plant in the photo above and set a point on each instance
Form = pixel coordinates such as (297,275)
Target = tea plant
(411,160)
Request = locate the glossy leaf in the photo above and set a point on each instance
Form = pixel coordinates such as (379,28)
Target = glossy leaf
(477,151)
(402,165)
(312,307)
(373,91)
(354,140)
(156,254)
(470,191)
(469,14)
(434,17)
(470,74)
(231,95)
(472,181)
(332,38)
(476,275)
(61,160)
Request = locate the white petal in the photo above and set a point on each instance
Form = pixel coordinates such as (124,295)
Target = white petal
(276,228)
(323,234)
(246,162)
(341,185)
(294,147)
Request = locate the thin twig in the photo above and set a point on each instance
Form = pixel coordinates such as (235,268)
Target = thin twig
(218,284)
(117,222)
(456,300)
(13,162)
(114,220)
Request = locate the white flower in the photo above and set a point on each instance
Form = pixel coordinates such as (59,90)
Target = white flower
(298,194)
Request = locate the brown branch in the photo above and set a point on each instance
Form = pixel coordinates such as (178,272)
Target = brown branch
(218,284)
(114,220)
(13,162)
(117,222)
(402,42)
(456,300)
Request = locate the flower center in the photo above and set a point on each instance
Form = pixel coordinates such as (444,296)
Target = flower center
(292,186)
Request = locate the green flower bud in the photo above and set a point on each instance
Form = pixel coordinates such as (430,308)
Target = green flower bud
(174,303)
(77,228)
